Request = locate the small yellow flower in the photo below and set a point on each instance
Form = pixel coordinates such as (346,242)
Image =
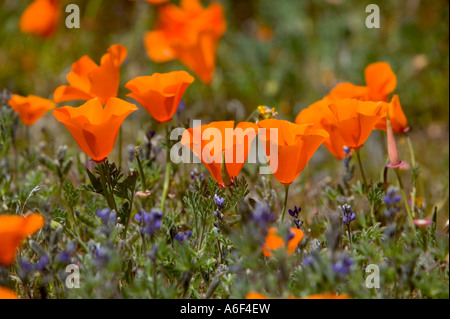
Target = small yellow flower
(266,112)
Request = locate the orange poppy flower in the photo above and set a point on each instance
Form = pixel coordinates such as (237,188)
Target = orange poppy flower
(88,80)
(93,127)
(295,145)
(380,82)
(159,93)
(189,33)
(220,142)
(41,18)
(7,294)
(397,117)
(30,108)
(13,230)
(349,122)
(274,242)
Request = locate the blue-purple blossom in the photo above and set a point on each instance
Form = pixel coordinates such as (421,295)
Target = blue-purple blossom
(219,201)
(349,215)
(42,263)
(289,235)
(183,236)
(343,266)
(107,216)
(295,212)
(150,222)
(65,256)
(391,199)
(101,256)
(181,107)
(262,215)
(347,150)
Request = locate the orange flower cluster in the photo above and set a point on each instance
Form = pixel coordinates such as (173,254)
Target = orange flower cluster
(350,112)
(295,145)
(93,126)
(41,18)
(189,33)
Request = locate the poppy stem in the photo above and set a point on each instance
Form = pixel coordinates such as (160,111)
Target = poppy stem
(168,171)
(286,188)
(361,169)
(102,172)
(120,147)
(405,199)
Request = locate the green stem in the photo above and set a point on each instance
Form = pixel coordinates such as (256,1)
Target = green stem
(413,175)
(405,199)
(349,234)
(141,170)
(286,189)
(120,147)
(372,212)
(168,171)
(105,187)
(363,175)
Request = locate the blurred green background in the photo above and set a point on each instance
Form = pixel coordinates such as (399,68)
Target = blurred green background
(285,54)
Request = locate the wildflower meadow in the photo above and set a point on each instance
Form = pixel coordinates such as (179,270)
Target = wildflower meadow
(224,149)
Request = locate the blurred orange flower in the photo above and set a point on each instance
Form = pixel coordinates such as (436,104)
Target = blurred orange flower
(189,33)
(7,294)
(274,242)
(255,295)
(327,295)
(156,2)
(93,127)
(159,93)
(88,80)
(30,108)
(296,144)
(41,18)
(220,142)
(13,230)
(349,122)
